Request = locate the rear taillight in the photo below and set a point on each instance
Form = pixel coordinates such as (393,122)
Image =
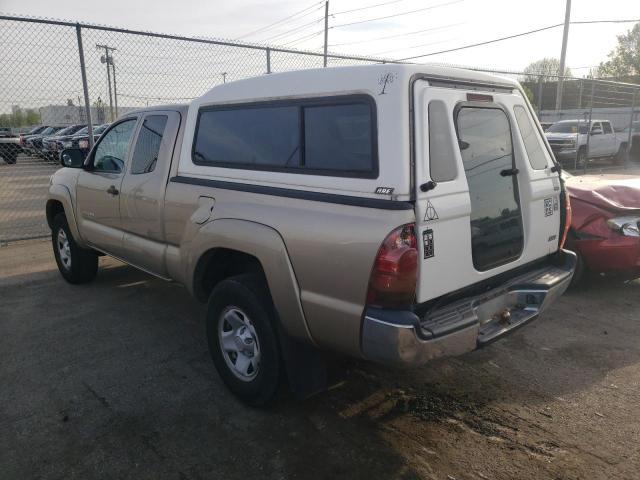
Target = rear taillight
(395,271)
(565,220)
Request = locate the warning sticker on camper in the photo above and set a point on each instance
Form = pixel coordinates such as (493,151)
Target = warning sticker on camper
(548,207)
(431,213)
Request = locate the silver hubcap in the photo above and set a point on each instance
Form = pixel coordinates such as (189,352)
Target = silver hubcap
(63,249)
(239,343)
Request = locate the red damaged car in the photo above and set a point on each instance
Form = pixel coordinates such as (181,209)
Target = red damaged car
(605,226)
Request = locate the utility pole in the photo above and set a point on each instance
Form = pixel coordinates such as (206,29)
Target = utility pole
(107,59)
(326,30)
(563,54)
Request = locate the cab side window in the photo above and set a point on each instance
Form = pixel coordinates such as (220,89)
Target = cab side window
(606,127)
(111,152)
(145,154)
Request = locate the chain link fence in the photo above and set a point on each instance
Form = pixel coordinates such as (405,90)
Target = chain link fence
(54,75)
(42,85)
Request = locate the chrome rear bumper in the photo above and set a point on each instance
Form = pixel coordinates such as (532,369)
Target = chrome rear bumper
(402,337)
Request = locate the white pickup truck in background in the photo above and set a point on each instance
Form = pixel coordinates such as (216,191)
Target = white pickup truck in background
(571,143)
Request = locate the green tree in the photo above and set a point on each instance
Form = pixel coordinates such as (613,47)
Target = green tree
(547,67)
(624,61)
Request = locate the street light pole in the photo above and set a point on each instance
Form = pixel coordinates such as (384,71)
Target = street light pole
(107,59)
(115,90)
(326,31)
(563,54)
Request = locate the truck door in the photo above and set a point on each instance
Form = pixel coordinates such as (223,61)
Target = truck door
(597,142)
(495,203)
(98,188)
(609,139)
(143,188)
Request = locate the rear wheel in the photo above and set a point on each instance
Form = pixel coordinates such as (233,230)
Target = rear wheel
(582,158)
(621,156)
(242,338)
(9,155)
(76,264)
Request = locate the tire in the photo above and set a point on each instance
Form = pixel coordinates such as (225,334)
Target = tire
(8,154)
(582,158)
(240,310)
(77,265)
(621,156)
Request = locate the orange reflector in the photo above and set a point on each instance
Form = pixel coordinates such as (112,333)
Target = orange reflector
(567,220)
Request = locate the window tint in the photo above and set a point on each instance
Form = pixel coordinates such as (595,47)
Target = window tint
(145,154)
(111,152)
(338,137)
(251,137)
(442,159)
(496,225)
(531,139)
(606,127)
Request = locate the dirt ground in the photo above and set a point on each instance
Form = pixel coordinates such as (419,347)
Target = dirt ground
(113,380)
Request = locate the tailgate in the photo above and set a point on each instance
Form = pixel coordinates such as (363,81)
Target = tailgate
(495,205)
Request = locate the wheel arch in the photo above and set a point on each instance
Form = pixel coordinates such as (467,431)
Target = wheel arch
(59,201)
(228,247)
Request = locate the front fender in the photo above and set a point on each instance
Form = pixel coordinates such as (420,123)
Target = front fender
(268,247)
(62,194)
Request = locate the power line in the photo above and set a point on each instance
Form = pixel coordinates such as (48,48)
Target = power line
(398,14)
(397,35)
(414,46)
(366,8)
(293,30)
(281,20)
(300,39)
(514,36)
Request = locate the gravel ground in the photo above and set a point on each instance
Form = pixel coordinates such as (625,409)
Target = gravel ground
(113,380)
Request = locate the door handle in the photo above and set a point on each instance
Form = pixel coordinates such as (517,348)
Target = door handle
(509,172)
(112,190)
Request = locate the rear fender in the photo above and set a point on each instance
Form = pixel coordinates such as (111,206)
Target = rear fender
(268,247)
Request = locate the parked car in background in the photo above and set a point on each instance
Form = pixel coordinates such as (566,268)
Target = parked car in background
(52,145)
(545,125)
(577,141)
(9,145)
(33,144)
(81,138)
(605,224)
(312,212)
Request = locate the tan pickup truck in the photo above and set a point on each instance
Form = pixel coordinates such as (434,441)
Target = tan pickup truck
(394,213)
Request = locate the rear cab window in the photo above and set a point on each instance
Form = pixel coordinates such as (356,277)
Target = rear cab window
(145,153)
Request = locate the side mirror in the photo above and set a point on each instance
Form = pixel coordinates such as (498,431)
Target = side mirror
(72,158)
